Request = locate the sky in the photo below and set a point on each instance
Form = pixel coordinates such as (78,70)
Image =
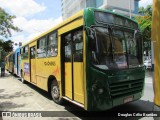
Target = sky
(34,17)
(144,3)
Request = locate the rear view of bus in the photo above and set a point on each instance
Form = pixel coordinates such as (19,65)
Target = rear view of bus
(114,65)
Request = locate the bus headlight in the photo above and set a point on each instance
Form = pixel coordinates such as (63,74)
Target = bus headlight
(100,91)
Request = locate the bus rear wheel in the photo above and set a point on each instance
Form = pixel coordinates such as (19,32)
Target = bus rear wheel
(55,92)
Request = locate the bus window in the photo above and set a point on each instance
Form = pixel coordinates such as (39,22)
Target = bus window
(33,53)
(41,48)
(132,49)
(78,46)
(52,45)
(25,52)
(68,49)
(119,48)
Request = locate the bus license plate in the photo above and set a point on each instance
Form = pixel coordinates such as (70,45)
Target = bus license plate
(128,99)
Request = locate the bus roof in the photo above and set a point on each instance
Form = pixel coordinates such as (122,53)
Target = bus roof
(110,11)
(75,16)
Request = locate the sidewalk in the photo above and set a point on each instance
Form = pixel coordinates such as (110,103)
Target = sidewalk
(6,74)
(149,77)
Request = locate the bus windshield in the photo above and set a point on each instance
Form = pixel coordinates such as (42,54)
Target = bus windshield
(116,49)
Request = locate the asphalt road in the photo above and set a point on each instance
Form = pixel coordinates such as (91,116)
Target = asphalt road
(15,96)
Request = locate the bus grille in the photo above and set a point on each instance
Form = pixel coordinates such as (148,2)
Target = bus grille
(126,88)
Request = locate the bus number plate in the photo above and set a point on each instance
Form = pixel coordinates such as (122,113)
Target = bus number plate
(128,99)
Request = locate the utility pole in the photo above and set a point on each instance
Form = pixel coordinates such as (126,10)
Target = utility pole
(130,9)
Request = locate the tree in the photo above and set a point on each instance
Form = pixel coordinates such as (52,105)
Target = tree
(6,24)
(145,11)
(7,46)
(145,21)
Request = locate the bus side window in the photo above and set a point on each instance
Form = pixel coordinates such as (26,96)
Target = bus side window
(24,52)
(78,46)
(52,45)
(68,48)
(32,52)
(41,48)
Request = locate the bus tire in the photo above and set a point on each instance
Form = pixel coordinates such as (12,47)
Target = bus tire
(55,93)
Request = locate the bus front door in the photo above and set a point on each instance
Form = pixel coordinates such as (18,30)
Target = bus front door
(32,65)
(73,66)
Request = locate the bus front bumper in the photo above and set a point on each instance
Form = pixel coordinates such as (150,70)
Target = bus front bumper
(126,99)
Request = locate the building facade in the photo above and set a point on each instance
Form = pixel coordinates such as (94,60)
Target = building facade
(126,7)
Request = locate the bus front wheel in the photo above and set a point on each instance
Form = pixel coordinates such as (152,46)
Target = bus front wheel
(55,92)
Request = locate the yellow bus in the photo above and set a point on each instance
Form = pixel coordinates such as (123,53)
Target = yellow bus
(9,62)
(92,59)
(156,46)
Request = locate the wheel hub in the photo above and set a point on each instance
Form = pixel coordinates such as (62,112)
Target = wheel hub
(55,92)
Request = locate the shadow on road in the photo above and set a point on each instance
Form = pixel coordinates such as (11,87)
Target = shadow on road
(7,105)
(42,92)
(2,90)
(14,95)
(134,107)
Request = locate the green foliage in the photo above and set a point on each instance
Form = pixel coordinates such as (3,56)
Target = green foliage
(145,11)
(6,24)
(145,21)
(5,47)
(145,25)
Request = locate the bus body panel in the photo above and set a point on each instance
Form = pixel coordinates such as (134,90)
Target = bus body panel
(73,25)
(33,71)
(156,44)
(68,80)
(46,67)
(11,63)
(84,69)
(26,69)
(78,72)
(11,67)
(74,71)
(17,61)
(7,62)
(32,62)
